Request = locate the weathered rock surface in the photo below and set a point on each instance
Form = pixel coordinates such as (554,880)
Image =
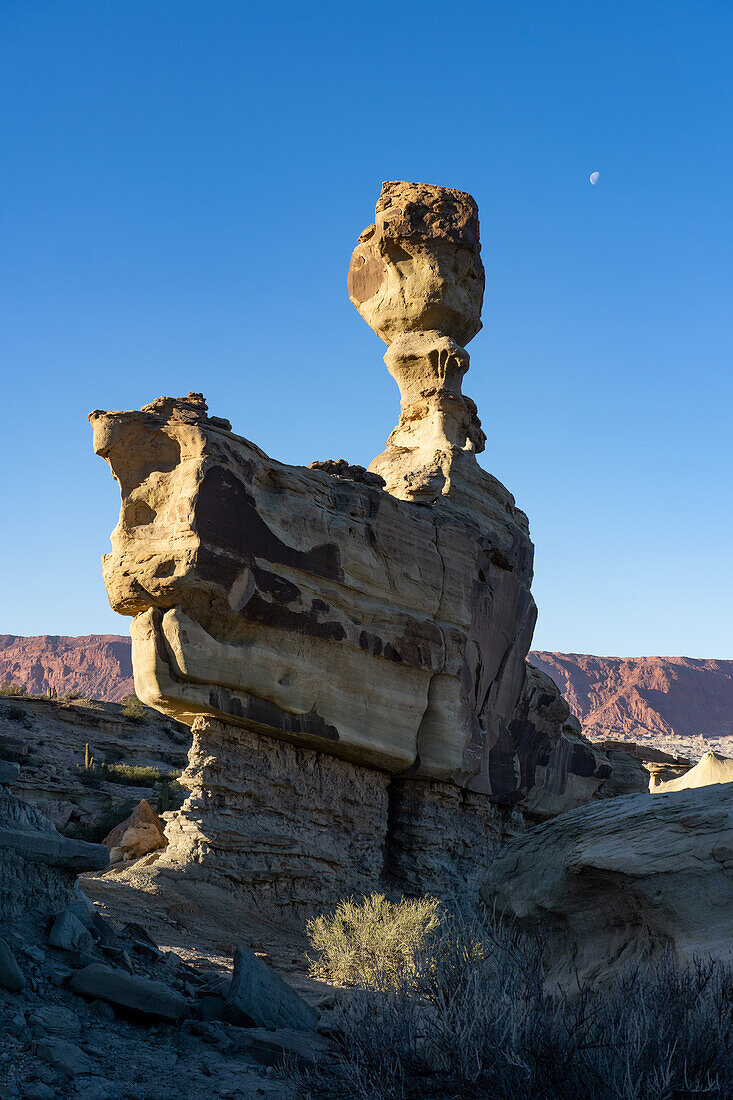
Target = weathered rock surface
(259,997)
(382,618)
(97,665)
(38,866)
(663,700)
(712,768)
(140,833)
(621,880)
(141,996)
(288,827)
(11,976)
(48,737)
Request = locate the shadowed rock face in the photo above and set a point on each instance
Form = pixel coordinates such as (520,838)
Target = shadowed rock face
(621,881)
(385,625)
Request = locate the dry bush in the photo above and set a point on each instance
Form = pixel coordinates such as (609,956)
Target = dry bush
(473,1019)
(372,943)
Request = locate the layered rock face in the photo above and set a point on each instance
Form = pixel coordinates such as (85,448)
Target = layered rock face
(661,700)
(381,617)
(97,665)
(38,866)
(620,881)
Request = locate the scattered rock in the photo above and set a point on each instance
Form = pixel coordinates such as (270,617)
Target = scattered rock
(272,1048)
(54,1021)
(11,976)
(140,996)
(69,933)
(258,997)
(97,1088)
(64,1056)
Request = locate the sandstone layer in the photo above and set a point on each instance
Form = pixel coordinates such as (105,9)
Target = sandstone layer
(623,880)
(380,617)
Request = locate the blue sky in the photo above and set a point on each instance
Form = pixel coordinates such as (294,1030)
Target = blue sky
(182,185)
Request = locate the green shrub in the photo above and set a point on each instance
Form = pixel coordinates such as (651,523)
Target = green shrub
(373,942)
(70,696)
(133,709)
(474,1019)
(12,689)
(128,775)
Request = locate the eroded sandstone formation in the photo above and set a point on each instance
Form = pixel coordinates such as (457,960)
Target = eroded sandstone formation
(621,881)
(379,617)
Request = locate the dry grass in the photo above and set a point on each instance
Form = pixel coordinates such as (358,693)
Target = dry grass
(372,943)
(470,1018)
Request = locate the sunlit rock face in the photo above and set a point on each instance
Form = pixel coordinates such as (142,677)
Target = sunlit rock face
(382,617)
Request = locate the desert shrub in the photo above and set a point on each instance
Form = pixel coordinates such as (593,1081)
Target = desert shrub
(70,696)
(474,1018)
(128,775)
(12,689)
(133,709)
(372,942)
(138,775)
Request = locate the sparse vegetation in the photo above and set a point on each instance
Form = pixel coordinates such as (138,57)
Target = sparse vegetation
(133,709)
(472,1017)
(373,943)
(12,689)
(70,696)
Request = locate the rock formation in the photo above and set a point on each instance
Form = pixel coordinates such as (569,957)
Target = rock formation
(620,881)
(38,866)
(375,623)
(711,769)
(140,833)
(47,737)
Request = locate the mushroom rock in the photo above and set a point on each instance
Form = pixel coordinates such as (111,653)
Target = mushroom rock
(335,633)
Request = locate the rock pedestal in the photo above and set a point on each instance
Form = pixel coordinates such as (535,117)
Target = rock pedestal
(328,630)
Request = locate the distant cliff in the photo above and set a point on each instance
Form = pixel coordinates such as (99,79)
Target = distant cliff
(631,697)
(97,665)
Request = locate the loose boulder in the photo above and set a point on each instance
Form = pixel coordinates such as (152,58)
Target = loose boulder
(142,832)
(139,996)
(258,997)
(621,881)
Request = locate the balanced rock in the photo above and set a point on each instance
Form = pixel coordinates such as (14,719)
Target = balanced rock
(374,624)
(622,880)
(140,833)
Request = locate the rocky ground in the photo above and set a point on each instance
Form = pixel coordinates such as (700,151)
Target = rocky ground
(48,738)
(94,1006)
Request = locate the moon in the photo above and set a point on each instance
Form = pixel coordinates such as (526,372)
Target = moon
(594,176)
